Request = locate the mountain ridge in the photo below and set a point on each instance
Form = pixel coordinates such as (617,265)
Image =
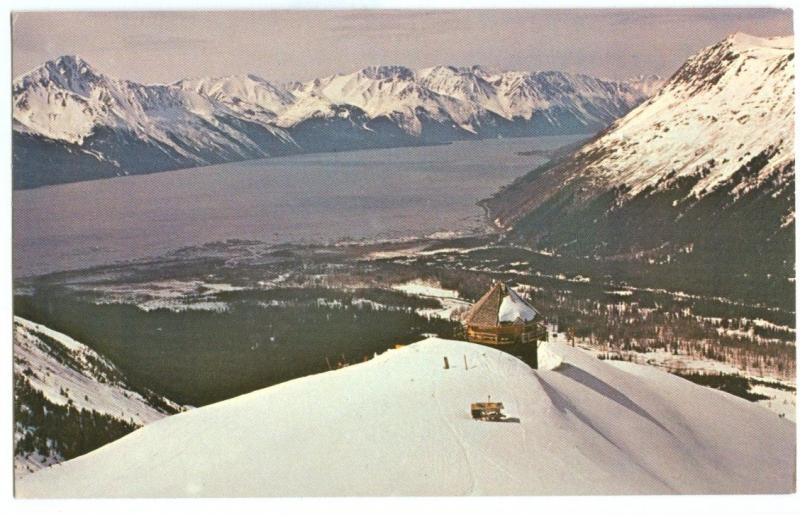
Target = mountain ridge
(73,122)
(702,169)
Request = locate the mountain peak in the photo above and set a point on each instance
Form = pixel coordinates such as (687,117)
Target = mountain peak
(380,72)
(70,60)
(751,91)
(741,39)
(71,72)
(444,68)
(70,65)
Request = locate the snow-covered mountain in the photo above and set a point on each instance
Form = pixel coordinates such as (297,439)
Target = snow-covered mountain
(474,100)
(724,107)
(72,122)
(707,161)
(63,389)
(249,96)
(400,424)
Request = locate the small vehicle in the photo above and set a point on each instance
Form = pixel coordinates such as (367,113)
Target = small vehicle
(487,411)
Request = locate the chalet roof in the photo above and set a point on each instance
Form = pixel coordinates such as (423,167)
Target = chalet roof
(501,304)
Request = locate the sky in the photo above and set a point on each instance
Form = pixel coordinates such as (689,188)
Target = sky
(162,47)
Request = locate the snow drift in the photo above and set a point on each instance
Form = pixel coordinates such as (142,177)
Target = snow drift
(400,425)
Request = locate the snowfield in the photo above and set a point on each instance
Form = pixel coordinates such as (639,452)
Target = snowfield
(400,425)
(452,304)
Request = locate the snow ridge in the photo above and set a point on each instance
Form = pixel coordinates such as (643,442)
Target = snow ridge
(466,96)
(400,425)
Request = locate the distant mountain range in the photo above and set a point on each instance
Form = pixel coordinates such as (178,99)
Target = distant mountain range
(702,172)
(72,122)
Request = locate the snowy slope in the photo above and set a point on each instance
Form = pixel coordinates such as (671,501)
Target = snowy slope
(707,164)
(249,96)
(72,122)
(84,374)
(68,372)
(400,425)
(736,95)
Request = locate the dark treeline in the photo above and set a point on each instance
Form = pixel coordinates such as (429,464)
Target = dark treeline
(198,357)
(733,384)
(53,430)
